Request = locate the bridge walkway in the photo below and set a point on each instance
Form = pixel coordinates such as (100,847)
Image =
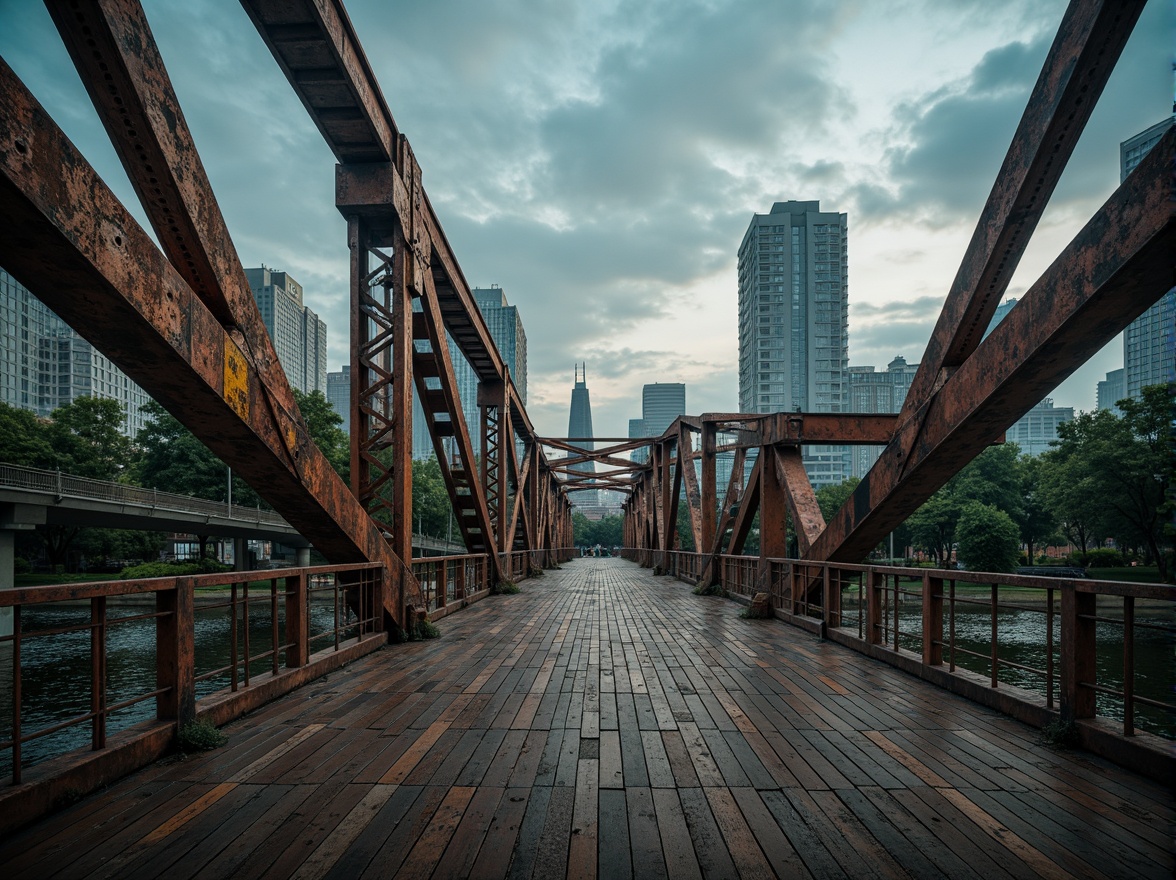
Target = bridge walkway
(608,723)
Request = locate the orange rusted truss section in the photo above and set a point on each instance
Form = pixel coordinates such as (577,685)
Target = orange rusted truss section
(183,324)
(966,393)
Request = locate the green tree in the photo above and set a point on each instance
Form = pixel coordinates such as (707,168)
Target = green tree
(988,538)
(431,510)
(24,438)
(1036,518)
(607,531)
(99,545)
(170,458)
(994,478)
(933,525)
(1122,469)
(831,498)
(323,424)
(87,438)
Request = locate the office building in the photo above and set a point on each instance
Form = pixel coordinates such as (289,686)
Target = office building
(1110,391)
(339,395)
(637,429)
(1149,349)
(661,404)
(45,364)
(580,426)
(794,321)
(871,391)
(506,329)
(297,333)
(1038,428)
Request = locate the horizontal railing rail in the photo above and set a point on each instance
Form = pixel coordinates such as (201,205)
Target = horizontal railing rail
(69,646)
(63,485)
(1075,643)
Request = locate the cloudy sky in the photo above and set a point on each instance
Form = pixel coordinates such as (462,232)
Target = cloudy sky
(601,160)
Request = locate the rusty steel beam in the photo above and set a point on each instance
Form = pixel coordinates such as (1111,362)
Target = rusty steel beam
(1110,273)
(691,481)
(316,46)
(807,519)
(118,60)
(465,489)
(748,506)
(65,236)
(1088,43)
(844,429)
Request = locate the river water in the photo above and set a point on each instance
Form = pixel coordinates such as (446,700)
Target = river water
(1021,636)
(55,670)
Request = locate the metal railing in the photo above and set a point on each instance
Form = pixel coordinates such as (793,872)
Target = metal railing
(448,579)
(275,621)
(1074,642)
(62,485)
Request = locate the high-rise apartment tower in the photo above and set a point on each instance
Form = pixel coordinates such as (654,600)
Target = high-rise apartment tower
(794,321)
(1149,347)
(298,335)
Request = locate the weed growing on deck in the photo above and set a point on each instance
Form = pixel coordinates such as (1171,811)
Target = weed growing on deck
(1061,734)
(200,736)
(426,629)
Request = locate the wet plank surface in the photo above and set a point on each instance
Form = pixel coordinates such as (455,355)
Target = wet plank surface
(606,723)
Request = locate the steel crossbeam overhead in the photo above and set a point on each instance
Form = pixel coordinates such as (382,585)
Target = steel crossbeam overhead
(966,392)
(66,237)
(183,324)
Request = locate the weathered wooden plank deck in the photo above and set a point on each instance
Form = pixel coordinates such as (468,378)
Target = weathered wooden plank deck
(609,723)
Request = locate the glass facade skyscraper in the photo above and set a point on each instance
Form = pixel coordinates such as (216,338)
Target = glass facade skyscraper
(794,321)
(1149,345)
(45,364)
(297,333)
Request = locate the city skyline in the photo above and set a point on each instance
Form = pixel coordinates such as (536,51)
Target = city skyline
(899,115)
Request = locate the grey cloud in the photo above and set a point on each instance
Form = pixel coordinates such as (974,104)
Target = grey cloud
(877,333)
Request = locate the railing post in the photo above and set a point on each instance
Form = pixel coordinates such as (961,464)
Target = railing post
(1078,653)
(298,654)
(831,597)
(459,577)
(175,653)
(932,620)
(873,608)
(443,584)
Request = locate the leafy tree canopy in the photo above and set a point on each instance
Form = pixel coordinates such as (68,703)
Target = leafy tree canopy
(988,538)
(87,439)
(323,423)
(24,438)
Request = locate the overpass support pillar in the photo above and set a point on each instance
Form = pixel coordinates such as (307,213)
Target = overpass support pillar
(7,575)
(302,557)
(240,554)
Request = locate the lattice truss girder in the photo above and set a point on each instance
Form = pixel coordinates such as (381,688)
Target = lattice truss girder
(966,392)
(182,323)
(378,184)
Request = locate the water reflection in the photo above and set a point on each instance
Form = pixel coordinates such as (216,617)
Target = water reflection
(1021,638)
(56,670)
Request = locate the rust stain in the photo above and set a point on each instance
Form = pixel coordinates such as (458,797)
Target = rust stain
(236,388)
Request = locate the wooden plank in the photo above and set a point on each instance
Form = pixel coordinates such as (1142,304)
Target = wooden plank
(470,834)
(677,843)
(709,845)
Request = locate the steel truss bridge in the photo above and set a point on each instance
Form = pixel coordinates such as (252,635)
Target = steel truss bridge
(180,319)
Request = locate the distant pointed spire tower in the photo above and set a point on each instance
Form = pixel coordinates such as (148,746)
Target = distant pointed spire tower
(580,425)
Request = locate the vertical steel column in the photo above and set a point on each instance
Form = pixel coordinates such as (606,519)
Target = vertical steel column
(492,405)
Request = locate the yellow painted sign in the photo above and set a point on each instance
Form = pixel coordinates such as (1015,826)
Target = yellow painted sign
(236,391)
